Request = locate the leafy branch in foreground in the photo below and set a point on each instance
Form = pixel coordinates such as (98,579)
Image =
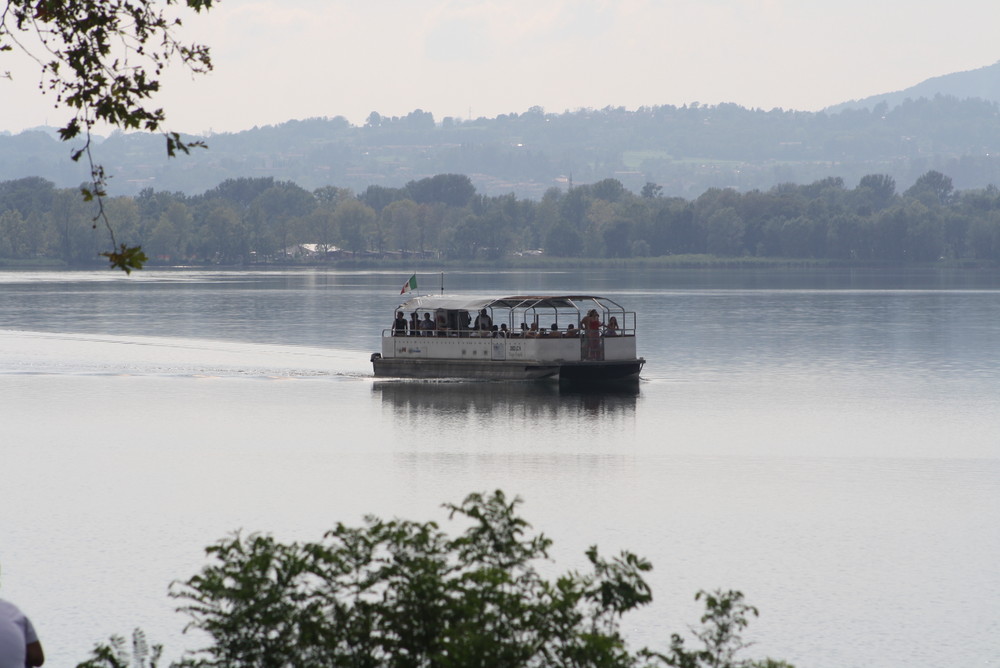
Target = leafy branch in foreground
(403,594)
(726,616)
(115,653)
(102,59)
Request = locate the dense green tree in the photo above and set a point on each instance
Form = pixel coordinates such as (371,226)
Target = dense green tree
(724,232)
(984,237)
(27,195)
(328,196)
(123,214)
(651,190)
(563,241)
(354,220)
(401,593)
(449,189)
(618,239)
(847,239)
(279,207)
(875,192)
(73,238)
(223,235)
(924,238)
(240,192)
(802,237)
(611,190)
(674,230)
(405,594)
(402,226)
(320,227)
(931,188)
(574,208)
(13,232)
(379,197)
(171,236)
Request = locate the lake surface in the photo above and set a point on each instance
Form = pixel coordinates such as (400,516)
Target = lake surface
(828,443)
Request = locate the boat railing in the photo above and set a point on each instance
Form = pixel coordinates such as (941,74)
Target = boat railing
(514,334)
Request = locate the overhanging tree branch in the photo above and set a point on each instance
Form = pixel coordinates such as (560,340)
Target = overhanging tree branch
(102,59)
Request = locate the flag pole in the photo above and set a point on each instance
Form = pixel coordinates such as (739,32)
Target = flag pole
(442,282)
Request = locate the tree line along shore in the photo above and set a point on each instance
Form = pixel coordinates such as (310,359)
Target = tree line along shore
(444,220)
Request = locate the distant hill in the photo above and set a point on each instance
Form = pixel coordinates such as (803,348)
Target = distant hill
(983,83)
(949,124)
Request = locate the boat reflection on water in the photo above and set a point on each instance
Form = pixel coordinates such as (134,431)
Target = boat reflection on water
(542,401)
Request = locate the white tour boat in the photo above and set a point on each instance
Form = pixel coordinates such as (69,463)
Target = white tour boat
(570,338)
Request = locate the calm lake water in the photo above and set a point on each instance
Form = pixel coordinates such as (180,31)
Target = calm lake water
(828,443)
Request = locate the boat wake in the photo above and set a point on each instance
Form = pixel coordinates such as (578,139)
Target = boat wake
(49,353)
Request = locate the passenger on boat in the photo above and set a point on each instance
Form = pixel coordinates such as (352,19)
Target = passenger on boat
(415,323)
(612,328)
(591,326)
(533,332)
(427,325)
(554,330)
(399,325)
(504,332)
(464,323)
(571,331)
(484,322)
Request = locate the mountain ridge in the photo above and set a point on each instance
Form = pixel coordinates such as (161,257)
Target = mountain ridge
(982,83)
(685,150)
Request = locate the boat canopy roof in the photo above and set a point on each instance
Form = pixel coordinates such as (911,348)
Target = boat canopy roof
(475,303)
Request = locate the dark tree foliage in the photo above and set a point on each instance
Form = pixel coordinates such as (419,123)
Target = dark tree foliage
(263,220)
(449,189)
(379,197)
(241,192)
(933,187)
(404,594)
(611,190)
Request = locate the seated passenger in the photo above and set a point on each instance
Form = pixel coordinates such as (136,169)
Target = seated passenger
(533,331)
(571,331)
(553,330)
(611,329)
(504,332)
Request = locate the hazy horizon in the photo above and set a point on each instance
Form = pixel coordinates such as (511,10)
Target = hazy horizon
(300,59)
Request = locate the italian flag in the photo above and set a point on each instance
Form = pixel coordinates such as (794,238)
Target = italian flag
(410,285)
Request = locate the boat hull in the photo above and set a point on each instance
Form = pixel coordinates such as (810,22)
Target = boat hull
(591,372)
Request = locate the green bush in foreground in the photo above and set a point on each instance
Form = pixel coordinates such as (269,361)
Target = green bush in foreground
(402,594)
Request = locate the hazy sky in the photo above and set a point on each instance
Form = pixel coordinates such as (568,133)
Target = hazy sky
(277,60)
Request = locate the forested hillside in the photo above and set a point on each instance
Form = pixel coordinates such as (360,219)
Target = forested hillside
(263,220)
(685,150)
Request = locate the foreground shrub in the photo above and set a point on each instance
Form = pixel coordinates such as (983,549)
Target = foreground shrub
(402,594)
